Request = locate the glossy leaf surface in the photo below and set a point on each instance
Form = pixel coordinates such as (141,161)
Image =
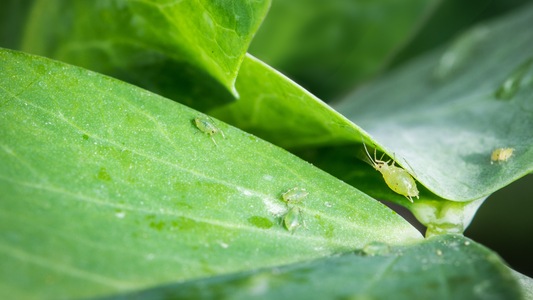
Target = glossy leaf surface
(189,51)
(105,188)
(446,267)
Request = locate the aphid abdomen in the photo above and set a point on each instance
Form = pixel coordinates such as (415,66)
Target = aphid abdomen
(501,154)
(292,219)
(400,181)
(208,127)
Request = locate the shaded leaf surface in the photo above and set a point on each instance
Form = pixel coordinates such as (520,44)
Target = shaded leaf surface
(440,29)
(525,283)
(446,267)
(444,126)
(446,113)
(331,46)
(105,187)
(189,51)
(437,214)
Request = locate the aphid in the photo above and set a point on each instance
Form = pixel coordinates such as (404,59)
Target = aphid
(208,126)
(398,179)
(294,195)
(293,219)
(501,154)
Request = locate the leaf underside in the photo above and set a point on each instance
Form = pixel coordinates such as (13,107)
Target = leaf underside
(441,121)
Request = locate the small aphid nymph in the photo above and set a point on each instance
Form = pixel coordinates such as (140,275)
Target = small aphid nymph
(398,179)
(501,154)
(208,126)
(294,195)
(293,219)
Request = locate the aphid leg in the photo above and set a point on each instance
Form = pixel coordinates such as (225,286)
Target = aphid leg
(214,140)
(409,198)
(217,127)
(305,225)
(380,159)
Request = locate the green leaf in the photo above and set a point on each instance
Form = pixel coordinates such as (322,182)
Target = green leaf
(437,214)
(189,51)
(446,267)
(447,112)
(525,283)
(331,46)
(278,110)
(106,188)
(443,127)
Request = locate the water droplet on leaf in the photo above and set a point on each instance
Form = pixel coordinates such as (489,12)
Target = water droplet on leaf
(460,52)
(511,84)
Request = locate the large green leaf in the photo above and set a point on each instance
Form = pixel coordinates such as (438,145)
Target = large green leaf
(105,187)
(446,267)
(189,51)
(443,117)
(447,112)
(278,110)
(331,46)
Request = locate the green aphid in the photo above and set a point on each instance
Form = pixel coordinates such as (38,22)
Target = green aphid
(294,195)
(501,154)
(398,179)
(293,219)
(208,126)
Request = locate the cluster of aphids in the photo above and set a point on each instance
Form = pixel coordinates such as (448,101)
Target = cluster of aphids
(398,179)
(501,154)
(293,218)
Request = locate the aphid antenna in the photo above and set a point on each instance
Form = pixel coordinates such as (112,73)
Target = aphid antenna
(412,170)
(370,157)
(214,141)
